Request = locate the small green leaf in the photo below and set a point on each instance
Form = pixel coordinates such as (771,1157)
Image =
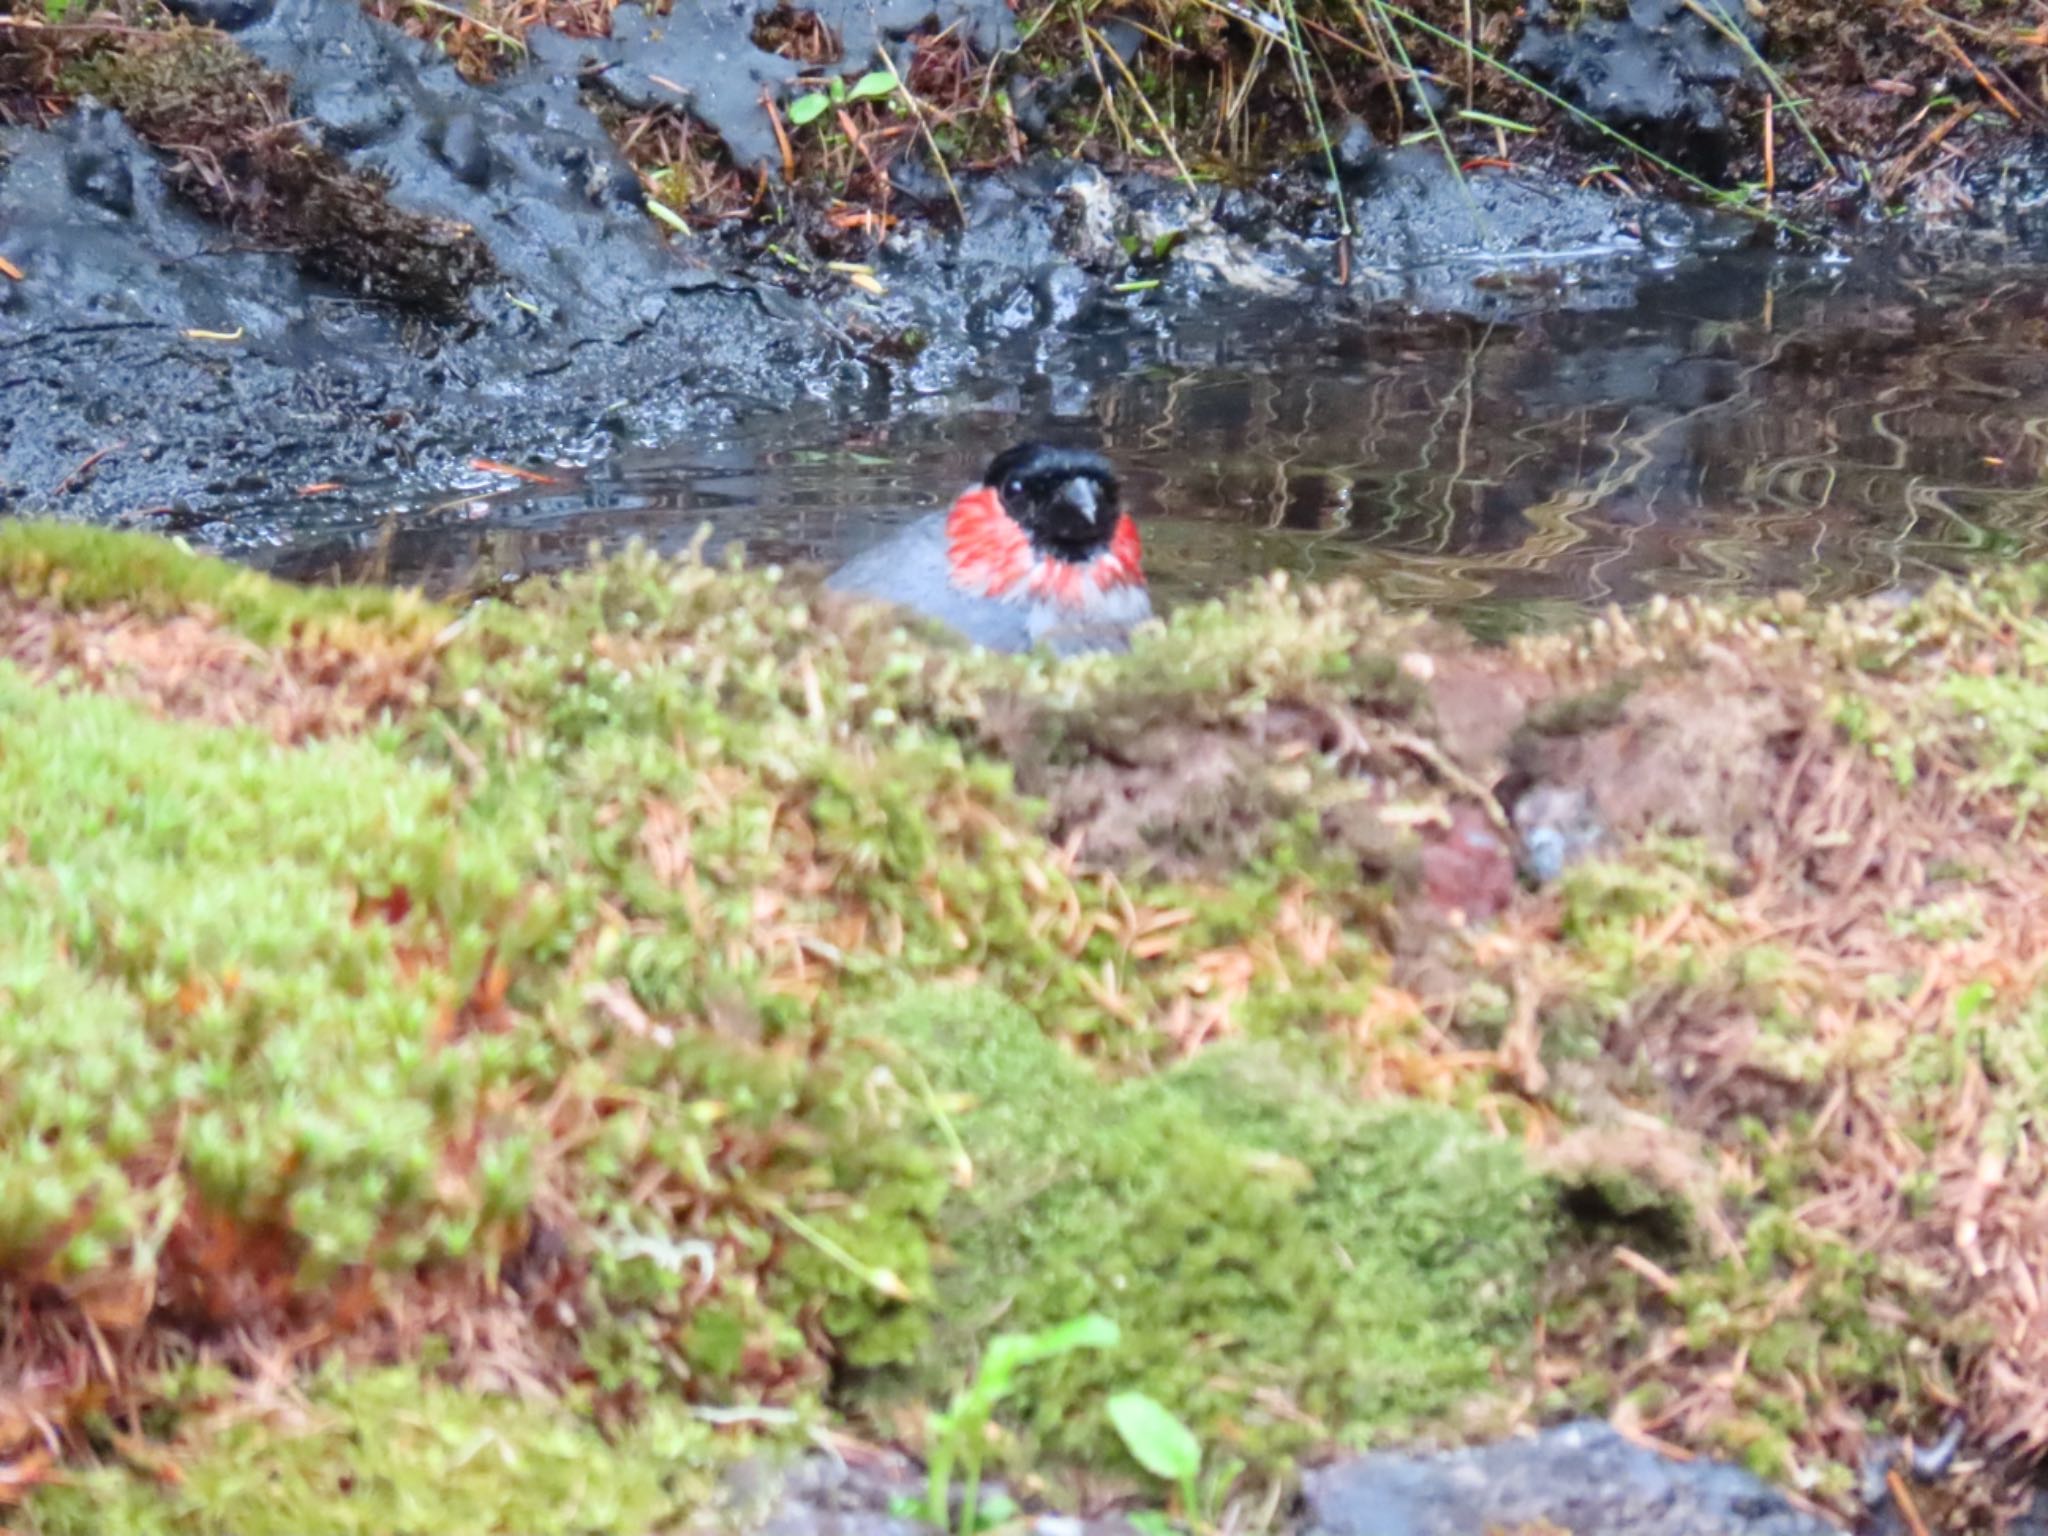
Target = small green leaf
(1008,1352)
(808,108)
(1157,1441)
(876,82)
(668,216)
(1149,1522)
(994,1509)
(1093,1331)
(1973,1000)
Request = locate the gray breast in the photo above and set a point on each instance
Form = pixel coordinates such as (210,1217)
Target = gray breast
(910,570)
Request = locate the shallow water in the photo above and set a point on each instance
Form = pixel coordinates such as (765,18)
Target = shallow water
(1750,423)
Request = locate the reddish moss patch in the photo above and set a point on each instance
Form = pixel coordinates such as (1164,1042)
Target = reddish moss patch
(189,667)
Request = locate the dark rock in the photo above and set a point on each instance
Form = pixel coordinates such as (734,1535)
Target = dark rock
(102,175)
(1238,212)
(1062,291)
(1583,1478)
(1124,39)
(1665,229)
(1427,96)
(1659,73)
(1033,100)
(912,176)
(1357,149)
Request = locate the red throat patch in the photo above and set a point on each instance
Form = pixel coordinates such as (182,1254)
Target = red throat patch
(990,555)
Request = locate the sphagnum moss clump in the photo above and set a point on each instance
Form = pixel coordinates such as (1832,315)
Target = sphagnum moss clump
(684,991)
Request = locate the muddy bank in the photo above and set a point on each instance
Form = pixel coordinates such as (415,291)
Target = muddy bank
(522,256)
(158,371)
(191,365)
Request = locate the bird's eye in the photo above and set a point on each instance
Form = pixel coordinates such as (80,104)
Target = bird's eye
(1014,488)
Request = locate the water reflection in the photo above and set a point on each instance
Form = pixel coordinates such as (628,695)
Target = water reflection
(1753,424)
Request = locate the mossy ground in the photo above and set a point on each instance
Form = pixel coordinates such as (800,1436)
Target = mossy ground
(379,1451)
(1294,1270)
(658,995)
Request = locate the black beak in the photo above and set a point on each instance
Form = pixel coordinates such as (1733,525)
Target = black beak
(1081,495)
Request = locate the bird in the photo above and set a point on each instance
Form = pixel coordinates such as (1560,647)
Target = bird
(1040,553)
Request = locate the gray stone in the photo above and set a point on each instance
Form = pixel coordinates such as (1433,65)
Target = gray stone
(1583,1478)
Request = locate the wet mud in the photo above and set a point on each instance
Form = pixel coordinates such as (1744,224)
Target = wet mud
(1661,71)
(170,369)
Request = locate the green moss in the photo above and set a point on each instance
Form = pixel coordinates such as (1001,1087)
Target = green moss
(1285,1264)
(340,998)
(1844,1332)
(2001,729)
(84,567)
(183,971)
(386,1453)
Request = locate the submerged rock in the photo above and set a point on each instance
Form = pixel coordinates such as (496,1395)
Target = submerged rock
(1583,1478)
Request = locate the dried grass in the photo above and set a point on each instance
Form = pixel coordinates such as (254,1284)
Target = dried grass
(1816,1066)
